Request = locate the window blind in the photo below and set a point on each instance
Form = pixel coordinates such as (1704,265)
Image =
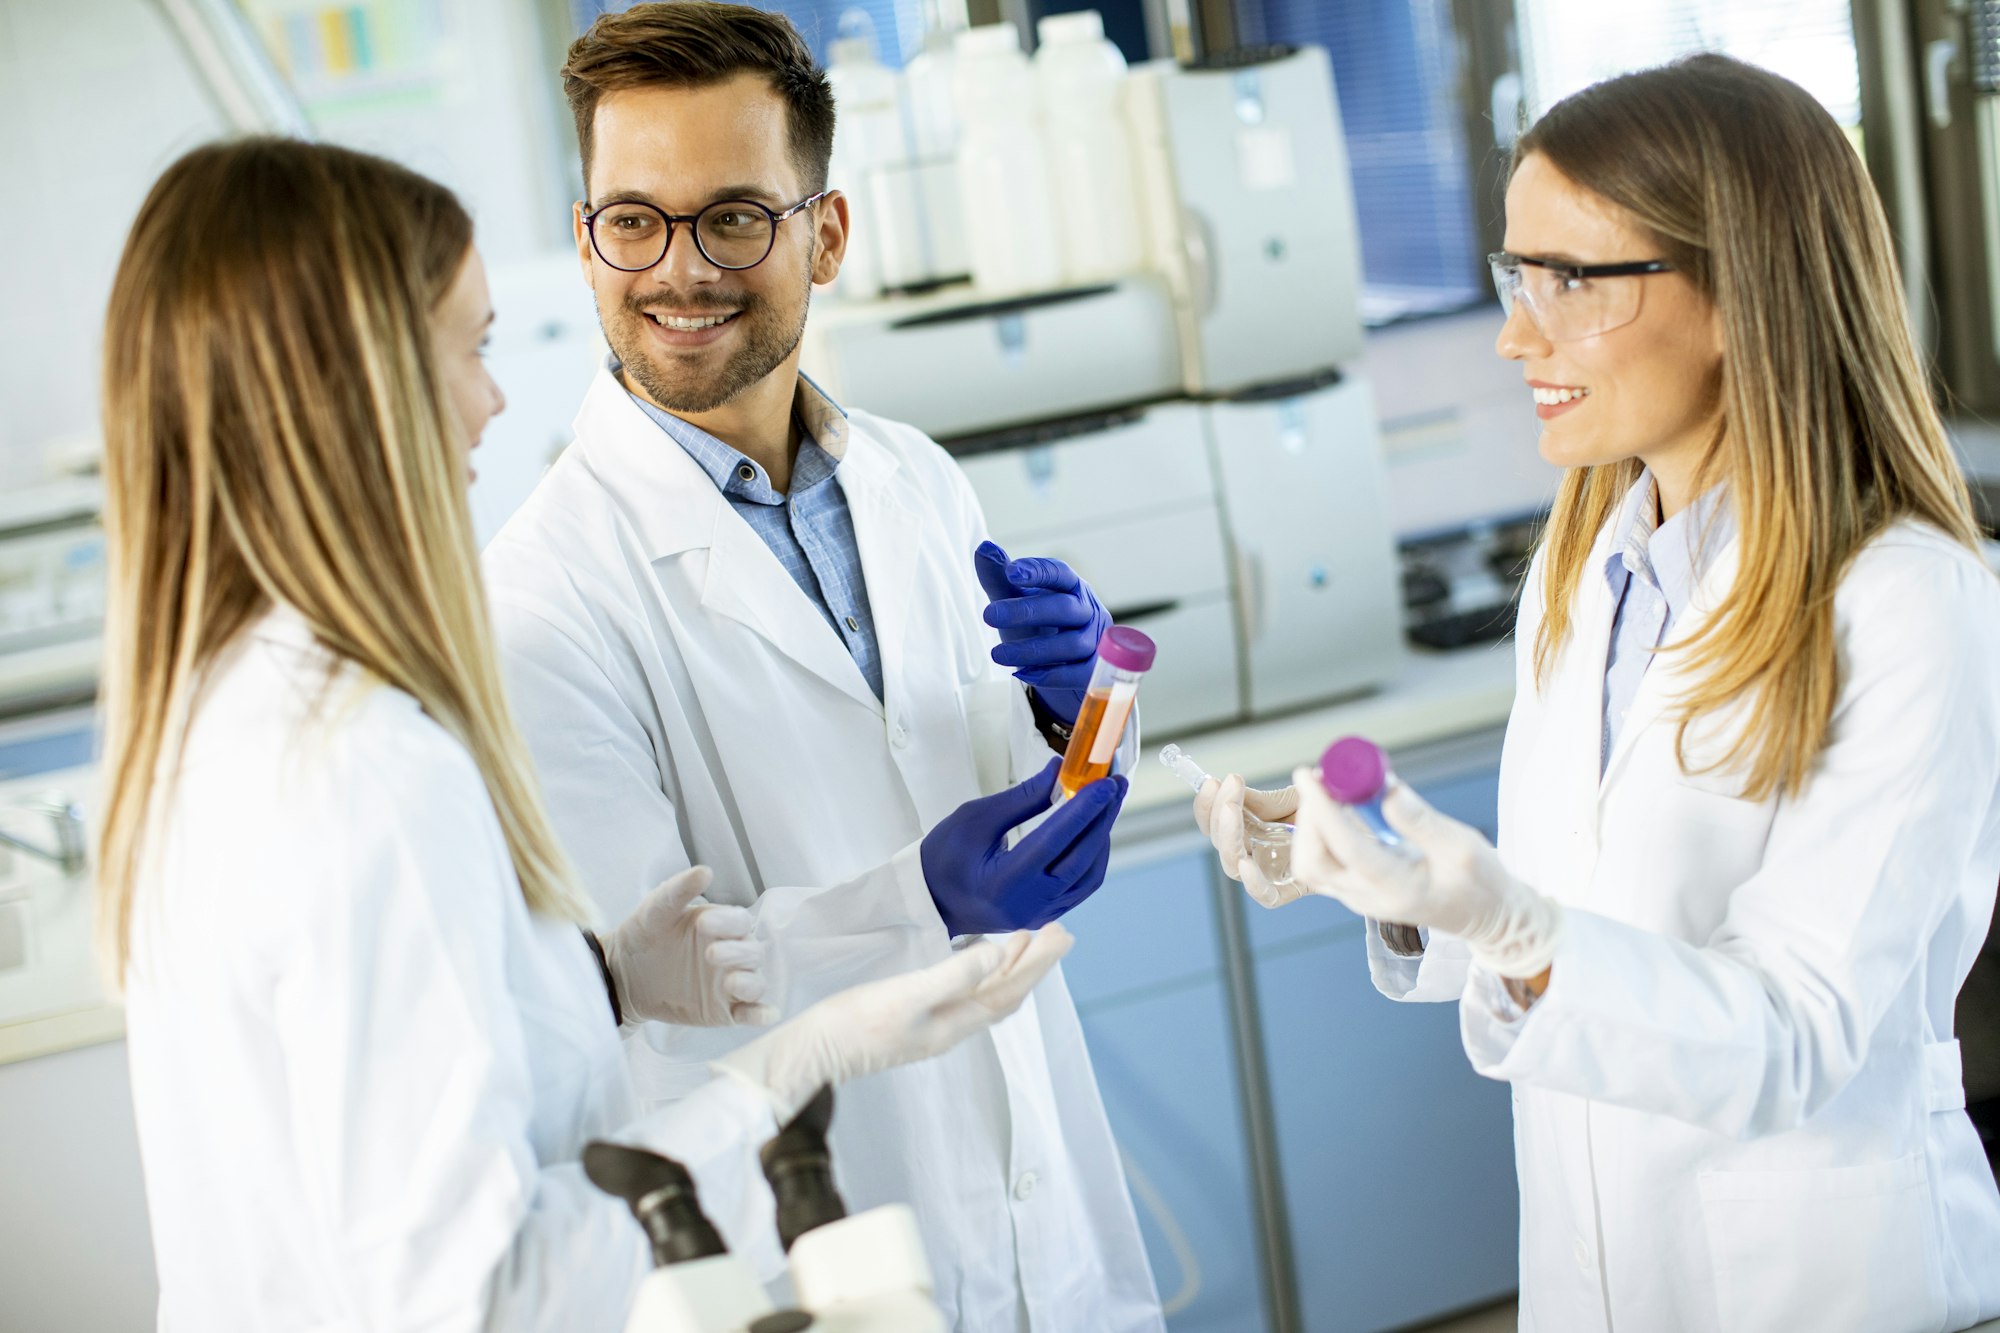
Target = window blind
(1567,45)
(1395,73)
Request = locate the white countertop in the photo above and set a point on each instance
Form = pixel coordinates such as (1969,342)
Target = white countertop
(57,1001)
(1437,696)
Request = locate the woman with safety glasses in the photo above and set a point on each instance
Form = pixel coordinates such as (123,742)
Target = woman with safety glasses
(1750,794)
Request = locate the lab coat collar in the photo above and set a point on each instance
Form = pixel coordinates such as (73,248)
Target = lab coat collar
(675,509)
(623,446)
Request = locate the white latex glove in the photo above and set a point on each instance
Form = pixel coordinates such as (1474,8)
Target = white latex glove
(1455,884)
(898,1020)
(1218,813)
(681,961)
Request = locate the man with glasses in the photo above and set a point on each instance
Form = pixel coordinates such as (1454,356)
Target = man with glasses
(746,628)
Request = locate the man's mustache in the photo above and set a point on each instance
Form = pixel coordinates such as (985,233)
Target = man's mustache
(716,301)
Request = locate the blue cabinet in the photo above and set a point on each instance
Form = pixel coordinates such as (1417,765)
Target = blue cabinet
(1147,979)
(1395,1160)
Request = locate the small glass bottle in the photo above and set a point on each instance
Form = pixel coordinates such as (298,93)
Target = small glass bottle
(1124,656)
(1269,844)
(1352,775)
(1355,772)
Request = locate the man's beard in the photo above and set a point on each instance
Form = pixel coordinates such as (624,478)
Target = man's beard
(768,338)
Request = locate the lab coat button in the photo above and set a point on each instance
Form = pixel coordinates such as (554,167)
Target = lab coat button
(1024,1188)
(1582,1252)
(900,737)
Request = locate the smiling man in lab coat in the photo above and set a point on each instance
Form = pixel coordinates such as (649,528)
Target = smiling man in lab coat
(746,628)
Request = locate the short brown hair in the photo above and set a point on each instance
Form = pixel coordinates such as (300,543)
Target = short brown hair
(694,43)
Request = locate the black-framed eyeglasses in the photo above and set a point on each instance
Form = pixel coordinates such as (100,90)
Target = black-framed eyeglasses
(734,233)
(1571,301)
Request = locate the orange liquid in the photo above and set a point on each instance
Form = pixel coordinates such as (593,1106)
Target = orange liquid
(1077,770)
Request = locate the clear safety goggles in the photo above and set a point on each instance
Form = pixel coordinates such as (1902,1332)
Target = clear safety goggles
(1571,301)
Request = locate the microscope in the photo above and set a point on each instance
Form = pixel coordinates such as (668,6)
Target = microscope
(864,1274)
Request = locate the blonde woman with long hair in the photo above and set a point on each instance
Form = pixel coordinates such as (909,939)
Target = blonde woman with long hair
(368,1038)
(1750,792)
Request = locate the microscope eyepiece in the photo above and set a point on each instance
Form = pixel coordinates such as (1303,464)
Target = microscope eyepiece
(661,1195)
(800,1169)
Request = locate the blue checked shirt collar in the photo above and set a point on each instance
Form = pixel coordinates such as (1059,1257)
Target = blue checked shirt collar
(823,434)
(1670,556)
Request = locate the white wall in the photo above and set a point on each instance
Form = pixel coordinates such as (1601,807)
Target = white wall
(95,100)
(75,1252)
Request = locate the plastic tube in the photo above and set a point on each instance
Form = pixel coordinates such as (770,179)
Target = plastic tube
(1124,656)
(1355,772)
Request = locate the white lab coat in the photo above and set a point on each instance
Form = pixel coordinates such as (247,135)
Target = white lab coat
(363,1071)
(686,703)
(1738,1105)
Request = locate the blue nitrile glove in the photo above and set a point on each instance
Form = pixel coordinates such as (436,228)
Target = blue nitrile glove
(982,887)
(1049,622)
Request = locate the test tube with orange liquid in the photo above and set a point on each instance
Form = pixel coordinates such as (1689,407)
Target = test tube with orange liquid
(1124,655)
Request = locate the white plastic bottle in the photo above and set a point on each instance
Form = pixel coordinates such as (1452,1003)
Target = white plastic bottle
(867,138)
(1079,75)
(1003,186)
(927,80)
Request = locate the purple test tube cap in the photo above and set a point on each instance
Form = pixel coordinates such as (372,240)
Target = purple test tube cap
(1353,770)
(1127,649)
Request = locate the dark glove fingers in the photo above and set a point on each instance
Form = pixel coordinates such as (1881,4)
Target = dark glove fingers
(1077,647)
(1095,840)
(1041,571)
(1073,820)
(989,562)
(1038,610)
(1089,882)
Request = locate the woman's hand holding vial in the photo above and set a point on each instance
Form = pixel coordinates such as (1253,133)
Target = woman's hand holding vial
(1252,831)
(1249,829)
(1442,875)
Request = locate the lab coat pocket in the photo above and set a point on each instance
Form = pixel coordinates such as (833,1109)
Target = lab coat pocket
(1715,798)
(989,725)
(1832,1249)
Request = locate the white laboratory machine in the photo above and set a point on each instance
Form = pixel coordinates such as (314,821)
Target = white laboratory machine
(954,363)
(1193,438)
(860,1274)
(51,592)
(1249,537)
(1249,211)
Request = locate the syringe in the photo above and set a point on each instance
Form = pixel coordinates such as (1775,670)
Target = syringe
(1268,844)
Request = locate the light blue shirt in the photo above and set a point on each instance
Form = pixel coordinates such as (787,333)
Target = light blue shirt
(809,529)
(1652,570)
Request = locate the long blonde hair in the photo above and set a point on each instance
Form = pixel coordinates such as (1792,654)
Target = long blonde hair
(276,433)
(1828,430)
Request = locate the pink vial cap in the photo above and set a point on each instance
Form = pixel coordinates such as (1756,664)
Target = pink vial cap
(1353,770)
(1126,648)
